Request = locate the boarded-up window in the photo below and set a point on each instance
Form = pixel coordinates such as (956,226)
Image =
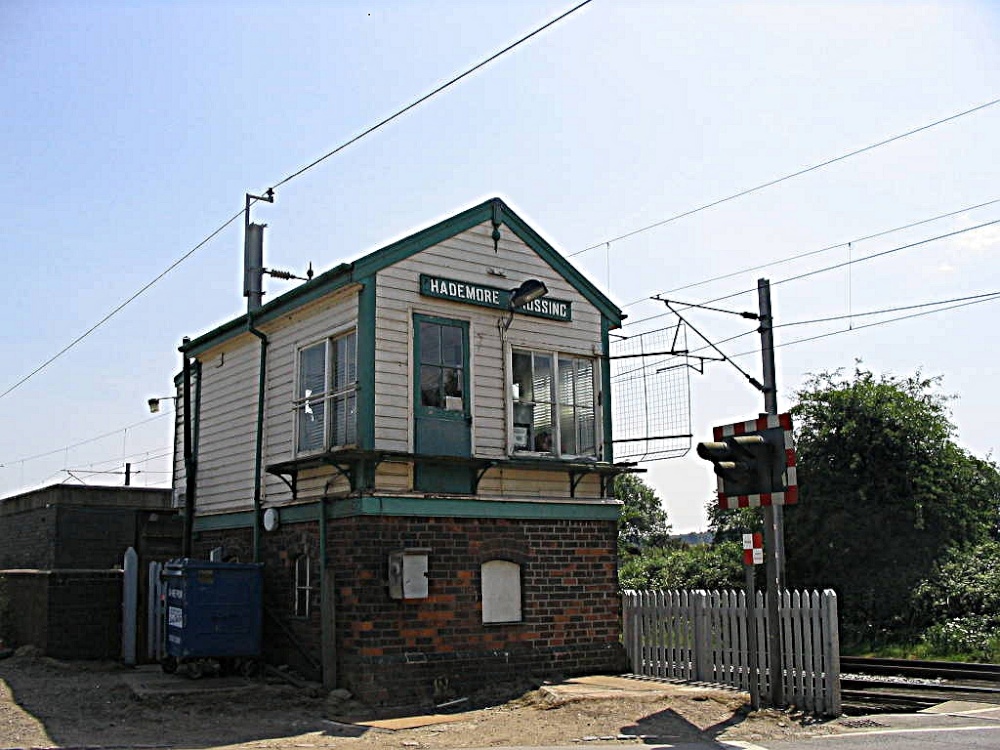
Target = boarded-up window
(501,591)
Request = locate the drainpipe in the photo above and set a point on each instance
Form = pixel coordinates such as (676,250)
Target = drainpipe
(190,462)
(259,448)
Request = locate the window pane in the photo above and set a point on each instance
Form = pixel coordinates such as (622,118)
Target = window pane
(567,430)
(345,368)
(586,423)
(566,380)
(430,343)
(521,365)
(452,346)
(430,386)
(344,419)
(543,428)
(452,381)
(584,384)
(311,415)
(542,381)
(312,370)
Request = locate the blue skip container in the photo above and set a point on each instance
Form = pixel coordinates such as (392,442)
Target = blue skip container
(213,614)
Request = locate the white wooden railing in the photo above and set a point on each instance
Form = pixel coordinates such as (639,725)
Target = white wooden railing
(703,636)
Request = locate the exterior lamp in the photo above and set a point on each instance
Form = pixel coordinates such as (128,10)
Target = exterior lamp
(154,403)
(525,294)
(529,291)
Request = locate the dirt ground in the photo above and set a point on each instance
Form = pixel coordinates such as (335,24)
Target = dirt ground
(46,703)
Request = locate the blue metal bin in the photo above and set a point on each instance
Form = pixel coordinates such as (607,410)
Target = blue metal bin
(214,611)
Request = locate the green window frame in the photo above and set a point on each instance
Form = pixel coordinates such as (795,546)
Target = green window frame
(554,403)
(326,401)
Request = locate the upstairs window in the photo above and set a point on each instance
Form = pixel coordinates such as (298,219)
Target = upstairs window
(326,395)
(554,405)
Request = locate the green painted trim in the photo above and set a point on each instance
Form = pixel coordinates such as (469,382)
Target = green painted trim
(319,287)
(563,267)
(431,411)
(431,507)
(241,520)
(425,238)
(450,507)
(372,263)
(606,416)
(366,364)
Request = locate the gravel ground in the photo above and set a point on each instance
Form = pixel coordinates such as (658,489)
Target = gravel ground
(46,704)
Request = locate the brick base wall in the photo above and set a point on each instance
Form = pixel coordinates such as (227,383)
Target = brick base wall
(395,652)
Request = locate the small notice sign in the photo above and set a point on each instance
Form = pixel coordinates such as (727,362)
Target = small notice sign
(753,549)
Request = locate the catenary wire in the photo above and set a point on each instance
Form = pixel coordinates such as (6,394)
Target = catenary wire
(432,93)
(778,180)
(852,262)
(85,442)
(810,253)
(286,180)
(992,298)
(121,306)
(972,299)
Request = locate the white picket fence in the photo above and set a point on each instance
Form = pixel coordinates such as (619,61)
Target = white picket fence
(703,636)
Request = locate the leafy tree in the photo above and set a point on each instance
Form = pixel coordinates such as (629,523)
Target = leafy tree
(643,521)
(884,491)
(700,566)
(650,559)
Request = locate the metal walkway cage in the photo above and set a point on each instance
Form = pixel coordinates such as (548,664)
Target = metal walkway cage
(703,636)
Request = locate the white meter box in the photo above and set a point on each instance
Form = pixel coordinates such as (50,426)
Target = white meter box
(408,574)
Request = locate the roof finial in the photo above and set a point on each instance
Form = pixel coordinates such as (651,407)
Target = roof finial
(497,206)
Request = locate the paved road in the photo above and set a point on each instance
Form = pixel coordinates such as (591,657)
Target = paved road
(968,726)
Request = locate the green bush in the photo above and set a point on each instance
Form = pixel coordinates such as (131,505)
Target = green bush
(970,637)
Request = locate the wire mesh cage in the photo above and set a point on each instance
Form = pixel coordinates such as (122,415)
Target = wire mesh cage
(651,395)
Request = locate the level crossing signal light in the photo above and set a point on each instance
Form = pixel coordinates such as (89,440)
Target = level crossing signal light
(754,462)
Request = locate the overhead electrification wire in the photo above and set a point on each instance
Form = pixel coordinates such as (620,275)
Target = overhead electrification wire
(810,253)
(786,177)
(288,179)
(952,304)
(977,301)
(84,442)
(847,263)
(121,306)
(432,93)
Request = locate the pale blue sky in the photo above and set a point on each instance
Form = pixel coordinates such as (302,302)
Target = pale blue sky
(131,130)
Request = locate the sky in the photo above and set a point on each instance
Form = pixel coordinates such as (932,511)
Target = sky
(131,131)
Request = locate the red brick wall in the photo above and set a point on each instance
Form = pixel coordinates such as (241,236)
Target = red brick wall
(416,651)
(396,651)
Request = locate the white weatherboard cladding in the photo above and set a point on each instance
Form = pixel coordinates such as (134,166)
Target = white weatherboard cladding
(332,316)
(228,433)
(509,482)
(228,425)
(467,257)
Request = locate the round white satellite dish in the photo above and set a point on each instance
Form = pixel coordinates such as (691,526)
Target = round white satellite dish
(271,519)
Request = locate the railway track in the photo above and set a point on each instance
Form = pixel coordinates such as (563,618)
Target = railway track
(873,684)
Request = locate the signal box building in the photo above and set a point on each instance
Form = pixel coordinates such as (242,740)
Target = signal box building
(418,447)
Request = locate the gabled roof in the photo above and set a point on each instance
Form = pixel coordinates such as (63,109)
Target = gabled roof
(347,273)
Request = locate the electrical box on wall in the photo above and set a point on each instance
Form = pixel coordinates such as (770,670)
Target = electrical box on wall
(408,574)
